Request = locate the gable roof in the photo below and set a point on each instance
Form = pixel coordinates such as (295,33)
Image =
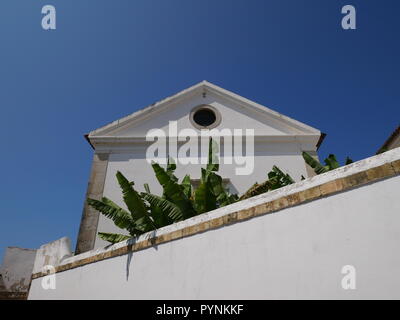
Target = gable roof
(203,88)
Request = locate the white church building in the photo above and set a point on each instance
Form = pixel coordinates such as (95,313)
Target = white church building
(124,145)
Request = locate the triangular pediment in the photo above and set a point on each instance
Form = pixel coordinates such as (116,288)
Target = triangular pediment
(234,112)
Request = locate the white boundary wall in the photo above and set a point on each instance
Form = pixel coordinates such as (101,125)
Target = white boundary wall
(295,253)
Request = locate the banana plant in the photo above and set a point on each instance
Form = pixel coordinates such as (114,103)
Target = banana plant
(147,211)
(136,220)
(330,163)
(276,179)
(174,192)
(211,193)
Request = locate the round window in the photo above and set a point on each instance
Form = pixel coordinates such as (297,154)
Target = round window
(205,117)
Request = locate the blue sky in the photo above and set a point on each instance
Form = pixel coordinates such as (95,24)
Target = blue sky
(109,58)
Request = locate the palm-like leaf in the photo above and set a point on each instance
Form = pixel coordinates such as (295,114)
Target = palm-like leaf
(142,225)
(216,183)
(148,211)
(113,237)
(174,192)
(171,167)
(223,197)
(278,179)
(131,197)
(331,162)
(204,199)
(166,207)
(187,186)
(135,203)
(256,189)
(160,218)
(348,161)
(211,193)
(318,168)
(213,161)
(121,218)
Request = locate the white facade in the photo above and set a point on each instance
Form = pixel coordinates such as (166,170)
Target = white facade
(278,140)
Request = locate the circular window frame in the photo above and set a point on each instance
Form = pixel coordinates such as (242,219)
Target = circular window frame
(216,123)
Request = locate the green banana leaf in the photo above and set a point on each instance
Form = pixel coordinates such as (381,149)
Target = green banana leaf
(174,192)
(131,198)
(318,168)
(121,218)
(256,189)
(348,161)
(165,207)
(204,199)
(213,160)
(187,186)
(331,162)
(171,167)
(113,237)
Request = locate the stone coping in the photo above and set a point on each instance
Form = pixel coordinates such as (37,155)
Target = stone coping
(11,295)
(357,174)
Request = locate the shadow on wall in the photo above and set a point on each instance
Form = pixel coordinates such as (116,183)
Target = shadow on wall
(151,236)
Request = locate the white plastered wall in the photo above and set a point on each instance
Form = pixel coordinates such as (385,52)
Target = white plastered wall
(295,253)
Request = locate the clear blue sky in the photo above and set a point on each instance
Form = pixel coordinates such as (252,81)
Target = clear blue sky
(108,58)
